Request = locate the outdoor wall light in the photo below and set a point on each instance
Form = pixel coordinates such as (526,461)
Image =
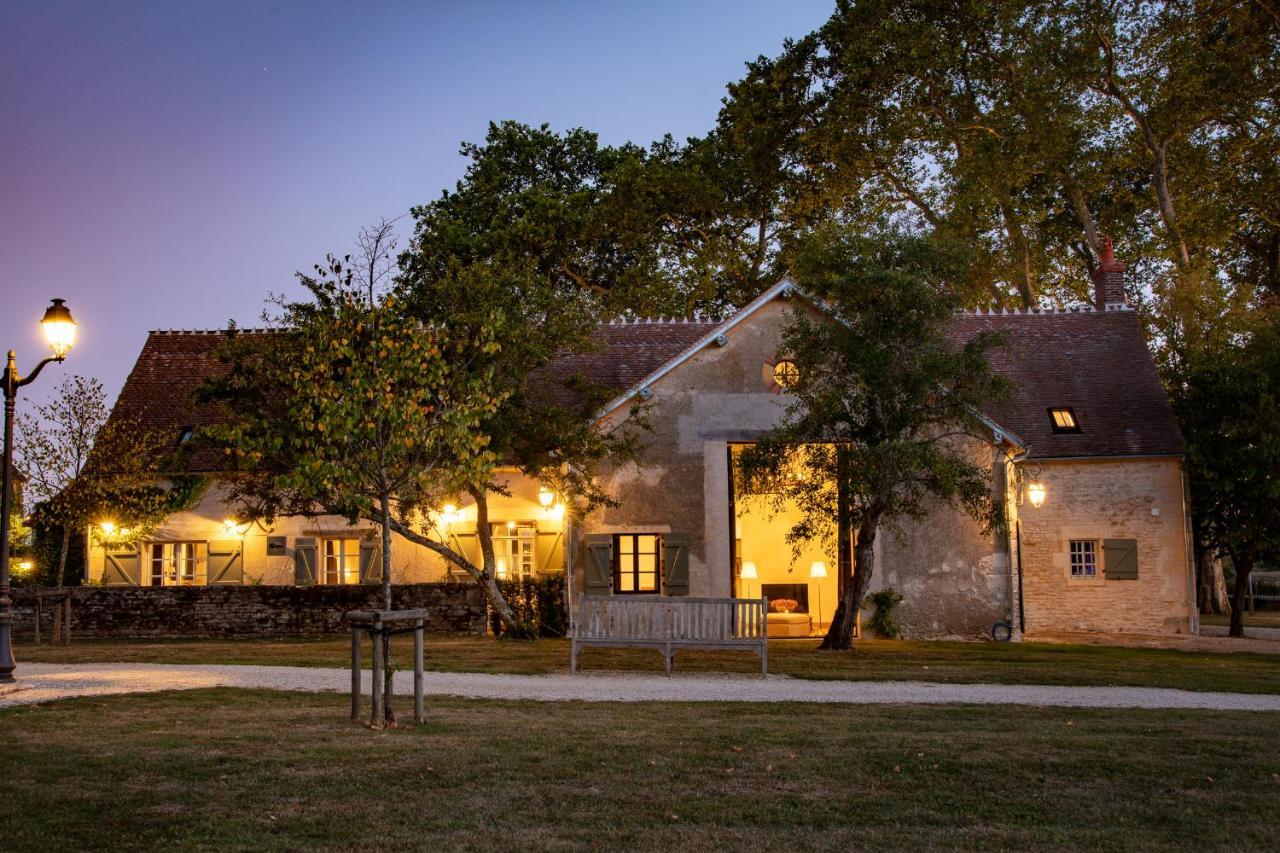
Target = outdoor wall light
(108,527)
(235,528)
(1036,493)
(546,497)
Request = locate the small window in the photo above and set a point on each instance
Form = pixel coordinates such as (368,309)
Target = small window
(1064,420)
(1084,558)
(177,564)
(636,563)
(341,561)
(786,374)
(185,434)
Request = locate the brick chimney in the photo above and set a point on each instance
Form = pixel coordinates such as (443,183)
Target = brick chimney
(1108,280)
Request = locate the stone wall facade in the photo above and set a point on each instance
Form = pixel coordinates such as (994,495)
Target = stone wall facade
(1140,499)
(246,611)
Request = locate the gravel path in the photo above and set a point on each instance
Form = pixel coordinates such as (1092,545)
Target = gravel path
(49,682)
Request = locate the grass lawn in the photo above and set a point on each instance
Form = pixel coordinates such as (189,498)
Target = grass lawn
(1256,619)
(266,770)
(953,662)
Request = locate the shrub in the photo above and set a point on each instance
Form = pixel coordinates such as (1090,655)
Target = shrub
(539,604)
(882,621)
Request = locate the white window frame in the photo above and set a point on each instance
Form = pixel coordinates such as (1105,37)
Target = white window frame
(515,548)
(1082,558)
(347,561)
(177,564)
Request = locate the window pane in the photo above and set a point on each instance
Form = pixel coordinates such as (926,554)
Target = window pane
(626,582)
(626,544)
(648,581)
(647,562)
(647,544)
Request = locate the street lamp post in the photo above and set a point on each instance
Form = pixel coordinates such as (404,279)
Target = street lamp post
(60,332)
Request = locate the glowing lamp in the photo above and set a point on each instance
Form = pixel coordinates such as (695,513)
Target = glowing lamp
(1036,493)
(25,565)
(59,328)
(449,510)
(818,569)
(546,497)
(108,527)
(511,525)
(749,571)
(234,528)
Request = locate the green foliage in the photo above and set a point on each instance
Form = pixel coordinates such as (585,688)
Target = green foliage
(1229,409)
(539,605)
(882,621)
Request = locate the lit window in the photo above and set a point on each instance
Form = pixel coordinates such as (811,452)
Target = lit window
(341,561)
(185,434)
(785,373)
(1064,420)
(635,568)
(1084,558)
(513,549)
(177,564)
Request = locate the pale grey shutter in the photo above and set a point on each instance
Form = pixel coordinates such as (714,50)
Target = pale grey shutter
(122,565)
(226,562)
(599,568)
(304,561)
(370,562)
(1120,559)
(675,564)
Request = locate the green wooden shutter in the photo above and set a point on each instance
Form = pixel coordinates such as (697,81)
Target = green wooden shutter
(370,562)
(1120,559)
(675,564)
(599,568)
(226,562)
(304,561)
(122,566)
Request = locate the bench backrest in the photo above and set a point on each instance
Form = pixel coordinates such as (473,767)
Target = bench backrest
(664,618)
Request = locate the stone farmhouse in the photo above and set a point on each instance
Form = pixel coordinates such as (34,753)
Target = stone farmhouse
(1086,456)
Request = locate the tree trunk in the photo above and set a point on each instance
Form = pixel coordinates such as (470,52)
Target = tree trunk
(1243,567)
(496,600)
(1211,582)
(388,689)
(62,553)
(840,635)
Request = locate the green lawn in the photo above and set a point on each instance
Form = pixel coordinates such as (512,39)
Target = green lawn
(275,771)
(1002,663)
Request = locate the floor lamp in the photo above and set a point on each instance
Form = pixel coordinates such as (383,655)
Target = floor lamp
(818,571)
(748,573)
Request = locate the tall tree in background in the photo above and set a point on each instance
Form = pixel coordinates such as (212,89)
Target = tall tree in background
(882,407)
(1229,410)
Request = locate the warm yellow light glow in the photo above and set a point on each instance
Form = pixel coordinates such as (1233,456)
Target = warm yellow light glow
(234,527)
(502,567)
(557,512)
(108,527)
(1036,493)
(511,525)
(26,565)
(749,571)
(59,328)
(545,496)
(818,569)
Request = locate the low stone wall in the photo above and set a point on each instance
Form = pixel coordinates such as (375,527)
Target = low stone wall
(245,611)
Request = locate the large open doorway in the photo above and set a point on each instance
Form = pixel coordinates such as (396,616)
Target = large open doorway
(802,586)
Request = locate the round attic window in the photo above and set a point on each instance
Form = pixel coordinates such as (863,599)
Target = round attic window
(785,373)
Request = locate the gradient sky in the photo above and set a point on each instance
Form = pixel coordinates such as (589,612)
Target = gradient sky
(167,164)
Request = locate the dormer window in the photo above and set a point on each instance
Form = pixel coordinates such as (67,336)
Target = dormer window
(1063,419)
(185,434)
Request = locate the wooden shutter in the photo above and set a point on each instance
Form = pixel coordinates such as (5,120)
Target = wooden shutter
(599,568)
(226,562)
(370,562)
(675,564)
(122,566)
(304,561)
(1120,559)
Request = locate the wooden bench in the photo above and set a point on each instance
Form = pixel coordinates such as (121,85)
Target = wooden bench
(670,624)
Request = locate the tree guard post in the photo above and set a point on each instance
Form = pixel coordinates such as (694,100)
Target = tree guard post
(380,623)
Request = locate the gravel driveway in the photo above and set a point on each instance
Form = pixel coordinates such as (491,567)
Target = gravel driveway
(48,682)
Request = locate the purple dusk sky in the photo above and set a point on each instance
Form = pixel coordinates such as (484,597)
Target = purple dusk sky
(167,164)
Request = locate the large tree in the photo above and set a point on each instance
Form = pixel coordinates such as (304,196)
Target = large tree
(879,427)
(1229,408)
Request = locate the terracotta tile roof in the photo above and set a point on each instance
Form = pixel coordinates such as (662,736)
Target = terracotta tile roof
(1097,364)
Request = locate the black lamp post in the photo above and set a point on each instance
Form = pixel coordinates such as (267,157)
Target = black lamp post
(60,332)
